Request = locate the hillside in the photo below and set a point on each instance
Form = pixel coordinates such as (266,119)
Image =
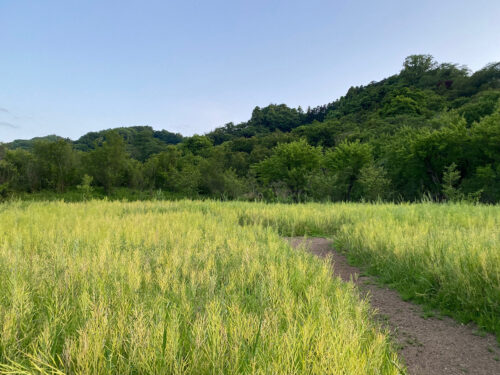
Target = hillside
(141,141)
(432,130)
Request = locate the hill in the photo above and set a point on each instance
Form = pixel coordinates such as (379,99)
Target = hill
(27,144)
(432,130)
(141,141)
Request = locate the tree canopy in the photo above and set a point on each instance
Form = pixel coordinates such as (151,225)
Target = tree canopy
(431,130)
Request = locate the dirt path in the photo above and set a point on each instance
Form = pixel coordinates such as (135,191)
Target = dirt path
(427,345)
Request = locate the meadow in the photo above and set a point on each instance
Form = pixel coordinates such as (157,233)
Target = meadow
(193,287)
(172,288)
(445,256)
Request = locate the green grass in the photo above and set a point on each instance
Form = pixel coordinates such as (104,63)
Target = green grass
(74,195)
(445,256)
(193,287)
(172,288)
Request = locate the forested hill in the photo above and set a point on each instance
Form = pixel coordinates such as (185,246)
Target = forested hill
(141,141)
(431,131)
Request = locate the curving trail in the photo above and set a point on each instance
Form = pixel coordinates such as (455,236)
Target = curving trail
(429,346)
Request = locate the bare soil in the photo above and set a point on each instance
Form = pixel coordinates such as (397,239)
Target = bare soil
(428,346)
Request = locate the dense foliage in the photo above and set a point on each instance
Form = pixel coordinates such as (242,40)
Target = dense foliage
(432,131)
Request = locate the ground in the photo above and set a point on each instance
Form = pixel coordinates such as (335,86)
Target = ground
(428,345)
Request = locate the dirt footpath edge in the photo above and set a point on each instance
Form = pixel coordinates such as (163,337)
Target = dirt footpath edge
(428,346)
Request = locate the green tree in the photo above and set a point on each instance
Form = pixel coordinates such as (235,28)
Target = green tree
(86,186)
(108,163)
(451,189)
(5,172)
(290,164)
(346,162)
(173,171)
(199,145)
(451,177)
(275,117)
(487,180)
(415,66)
(56,163)
(319,133)
(481,105)
(432,150)
(374,182)
(19,170)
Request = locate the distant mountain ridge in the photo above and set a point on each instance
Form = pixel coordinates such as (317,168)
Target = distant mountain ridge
(141,141)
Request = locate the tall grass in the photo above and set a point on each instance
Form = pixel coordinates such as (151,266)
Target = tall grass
(446,256)
(174,288)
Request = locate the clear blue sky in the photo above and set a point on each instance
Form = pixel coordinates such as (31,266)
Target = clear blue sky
(68,67)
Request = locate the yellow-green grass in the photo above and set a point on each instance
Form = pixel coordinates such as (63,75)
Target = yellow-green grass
(445,256)
(175,288)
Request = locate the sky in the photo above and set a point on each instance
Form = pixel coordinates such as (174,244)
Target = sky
(69,67)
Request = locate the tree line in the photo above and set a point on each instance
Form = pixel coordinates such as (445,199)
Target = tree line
(432,131)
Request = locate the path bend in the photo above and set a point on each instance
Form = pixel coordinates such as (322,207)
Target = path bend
(428,346)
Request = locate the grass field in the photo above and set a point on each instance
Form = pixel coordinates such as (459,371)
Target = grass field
(445,256)
(181,288)
(210,287)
